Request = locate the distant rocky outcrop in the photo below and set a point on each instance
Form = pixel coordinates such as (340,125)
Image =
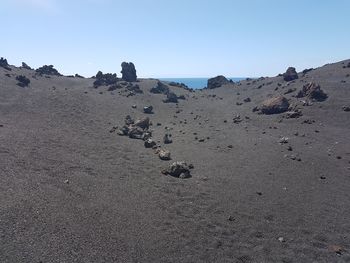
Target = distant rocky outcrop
(128,72)
(171,97)
(312,91)
(217,82)
(48,70)
(290,74)
(25,66)
(275,105)
(105,79)
(23,81)
(160,88)
(4,64)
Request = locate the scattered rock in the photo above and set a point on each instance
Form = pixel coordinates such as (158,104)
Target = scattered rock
(346,108)
(167,139)
(179,170)
(247,100)
(143,123)
(134,106)
(136,133)
(128,72)
(290,74)
(23,81)
(148,109)
(48,70)
(275,105)
(217,82)
(149,143)
(294,114)
(313,92)
(237,119)
(164,155)
(290,90)
(283,140)
(128,120)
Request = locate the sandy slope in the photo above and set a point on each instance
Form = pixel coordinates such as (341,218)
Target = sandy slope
(71,191)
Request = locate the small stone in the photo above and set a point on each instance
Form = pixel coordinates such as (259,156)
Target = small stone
(66,181)
(281,239)
(164,155)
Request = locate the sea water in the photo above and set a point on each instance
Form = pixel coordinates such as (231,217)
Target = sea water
(195,83)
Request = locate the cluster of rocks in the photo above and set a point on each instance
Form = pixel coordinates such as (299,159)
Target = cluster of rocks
(217,82)
(275,105)
(131,87)
(105,79)
(48,70)
(23,81)
(290,74)
(312,91)
(4,64)
(162,88)
(128,72)
(140,129)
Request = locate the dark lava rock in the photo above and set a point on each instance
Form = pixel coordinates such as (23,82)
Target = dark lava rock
(25,66)
(307,70)
(128,72)
(275,105)
(149,143)
(105,79)
(294,114)
(247,100)
(78,76)
(136,133)
(4,64)
(164,155)
(217,82)
(290,74)
(128,120)
(160,88)
(312,91)
(143,123)
(178,169)
(171,97)
(23,81)
(48,70)
(148,109)
(346,108)
(167,139)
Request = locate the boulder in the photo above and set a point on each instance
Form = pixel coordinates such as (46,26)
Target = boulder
(164,155)
(123,131)
(171,97)
(160,88)
(143,123)
(290,74)
(136,133)
(275,105)
(148,109)
(346,108)
(48,70)
(312,91)
(178,169)
(128,72)
(217,82)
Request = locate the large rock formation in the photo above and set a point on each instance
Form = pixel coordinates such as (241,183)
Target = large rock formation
(217,82)
(128,72)
(105,79)
(25,66)
(290,74)
(313,92)
(23,81)
(275,105)
(48,70)
(4,64)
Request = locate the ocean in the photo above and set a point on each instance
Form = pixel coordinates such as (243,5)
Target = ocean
(195,83)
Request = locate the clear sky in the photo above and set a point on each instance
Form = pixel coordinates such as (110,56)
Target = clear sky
(176,38)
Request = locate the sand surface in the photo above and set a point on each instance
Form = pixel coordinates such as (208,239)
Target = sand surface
(72,191)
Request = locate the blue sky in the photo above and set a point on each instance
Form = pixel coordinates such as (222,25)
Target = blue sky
(182,38)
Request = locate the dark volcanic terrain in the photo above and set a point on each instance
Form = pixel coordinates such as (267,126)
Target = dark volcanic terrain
(263,188)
